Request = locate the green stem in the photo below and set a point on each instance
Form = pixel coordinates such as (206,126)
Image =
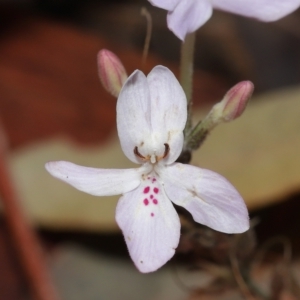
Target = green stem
(186,74)
(196,136)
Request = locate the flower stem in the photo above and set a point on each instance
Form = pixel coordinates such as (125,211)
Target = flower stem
(196,136)
(186,74)
(147,15)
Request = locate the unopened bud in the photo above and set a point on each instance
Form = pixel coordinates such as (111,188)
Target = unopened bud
(230,108)
(111,72)
(234,102)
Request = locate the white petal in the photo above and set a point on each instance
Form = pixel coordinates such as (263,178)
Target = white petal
(97,182)
(188,16)
(208,196)
(133,114)
(265,10)
(168,111)
(150,225)
(164,4)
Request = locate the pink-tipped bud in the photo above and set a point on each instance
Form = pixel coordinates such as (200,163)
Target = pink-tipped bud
(230,108)
(235,100)
(111,72)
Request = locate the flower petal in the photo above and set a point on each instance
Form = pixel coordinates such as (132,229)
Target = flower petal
(188,16)
(133,114)
(168,111)
(150,225)
(151,115)
(164,4)
(208,196)
(97,182)
(264,10)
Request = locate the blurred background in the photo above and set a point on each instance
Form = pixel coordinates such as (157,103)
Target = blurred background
(52,106)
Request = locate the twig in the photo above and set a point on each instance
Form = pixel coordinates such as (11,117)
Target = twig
(287,250)
(239,278)
(282,269)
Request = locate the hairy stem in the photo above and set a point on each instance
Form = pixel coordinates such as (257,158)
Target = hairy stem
(146,14)
(186,74)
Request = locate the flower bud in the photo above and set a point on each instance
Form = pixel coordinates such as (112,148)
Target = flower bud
(111,72)
(230,108)
(235,101)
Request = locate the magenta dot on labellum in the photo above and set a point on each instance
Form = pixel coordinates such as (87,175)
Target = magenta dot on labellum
(146,189)
(146,202)
(153,180)
(152,214)
(151,196)
(155,201)
(156,190)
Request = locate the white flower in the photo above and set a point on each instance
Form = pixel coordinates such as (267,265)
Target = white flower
(151,115)
(185,16)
